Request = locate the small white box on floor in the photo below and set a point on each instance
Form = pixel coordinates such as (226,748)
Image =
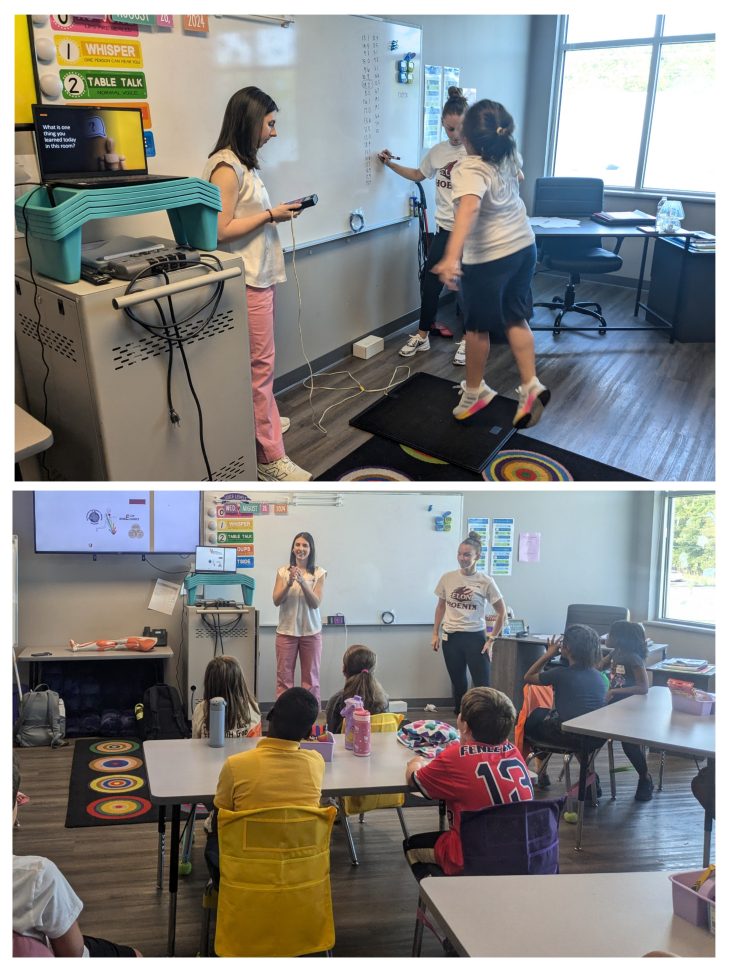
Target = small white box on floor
(398,705)
(368,346)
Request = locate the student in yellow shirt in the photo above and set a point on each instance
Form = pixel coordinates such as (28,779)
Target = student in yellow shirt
(277,772)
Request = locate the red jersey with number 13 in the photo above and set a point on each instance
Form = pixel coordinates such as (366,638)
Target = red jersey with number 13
(471,776)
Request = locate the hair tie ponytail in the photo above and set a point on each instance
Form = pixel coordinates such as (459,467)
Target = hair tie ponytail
(364,671)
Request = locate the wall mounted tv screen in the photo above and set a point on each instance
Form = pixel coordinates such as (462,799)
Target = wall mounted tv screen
(123,522)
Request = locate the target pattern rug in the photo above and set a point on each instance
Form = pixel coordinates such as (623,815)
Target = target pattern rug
(522,460)
(108,784)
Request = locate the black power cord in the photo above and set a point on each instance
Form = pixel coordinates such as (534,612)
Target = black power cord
(171,332)
(39,337)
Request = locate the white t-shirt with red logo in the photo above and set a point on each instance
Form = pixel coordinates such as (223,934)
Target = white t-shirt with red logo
(438,162)
(466,597)
(470,777)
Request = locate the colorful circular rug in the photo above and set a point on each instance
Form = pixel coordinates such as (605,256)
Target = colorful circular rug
(520,466)
(118,810)
(108,784)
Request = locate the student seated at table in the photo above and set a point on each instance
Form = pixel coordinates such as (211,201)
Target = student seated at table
(626,662)
(46,908)
(277,773)
(358,665)
(224,679)
(467,776)
(578,688)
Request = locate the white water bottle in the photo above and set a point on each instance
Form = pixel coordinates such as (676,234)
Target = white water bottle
(661,216)
(216,722)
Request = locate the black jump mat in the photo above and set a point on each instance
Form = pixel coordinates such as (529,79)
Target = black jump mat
(418,414)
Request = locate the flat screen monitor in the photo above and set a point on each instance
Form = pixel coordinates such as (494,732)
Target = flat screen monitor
(215,560)
(117,521)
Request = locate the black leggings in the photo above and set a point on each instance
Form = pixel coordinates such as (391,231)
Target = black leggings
(431,286)
(462,650)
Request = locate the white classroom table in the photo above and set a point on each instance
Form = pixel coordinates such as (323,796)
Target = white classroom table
(650,720)
(186,771)
(31,436)
(566,915)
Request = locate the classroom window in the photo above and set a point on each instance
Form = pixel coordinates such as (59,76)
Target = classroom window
(632,91)
(688,562)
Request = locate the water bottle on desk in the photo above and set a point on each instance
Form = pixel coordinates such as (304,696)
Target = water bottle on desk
(347,714)
(661,216)
(216,722)
(361,732)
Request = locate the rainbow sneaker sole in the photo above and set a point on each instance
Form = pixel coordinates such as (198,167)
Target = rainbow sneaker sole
(530,413)
(466,407)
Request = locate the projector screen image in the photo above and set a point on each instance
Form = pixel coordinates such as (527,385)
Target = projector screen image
(133,521)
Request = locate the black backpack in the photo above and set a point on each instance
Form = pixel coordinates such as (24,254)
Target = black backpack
(161,715)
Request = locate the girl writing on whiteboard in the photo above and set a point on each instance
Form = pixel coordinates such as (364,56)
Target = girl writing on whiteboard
(438,162)
(492,250)
(297,594)
(459,627)
(247,227)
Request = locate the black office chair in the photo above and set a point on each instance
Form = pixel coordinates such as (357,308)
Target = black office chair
(600,617)
(576,199)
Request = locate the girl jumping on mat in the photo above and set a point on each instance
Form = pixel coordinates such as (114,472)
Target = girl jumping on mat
(492,249)
(438,162)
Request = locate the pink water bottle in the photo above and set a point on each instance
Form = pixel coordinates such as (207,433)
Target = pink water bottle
(361,719)
(347,718)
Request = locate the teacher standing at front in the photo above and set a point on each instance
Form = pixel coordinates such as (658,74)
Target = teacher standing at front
(298,594)
(465,597)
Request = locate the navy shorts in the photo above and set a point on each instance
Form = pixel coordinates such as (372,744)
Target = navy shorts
(498,292)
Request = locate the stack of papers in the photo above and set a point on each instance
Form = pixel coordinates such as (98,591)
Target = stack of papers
(630,218)
(686,664)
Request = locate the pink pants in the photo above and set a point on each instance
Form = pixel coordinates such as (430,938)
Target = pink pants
(269,443)
(309,648)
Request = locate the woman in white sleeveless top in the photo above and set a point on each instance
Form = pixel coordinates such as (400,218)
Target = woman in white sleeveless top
(298,594)
(247,227)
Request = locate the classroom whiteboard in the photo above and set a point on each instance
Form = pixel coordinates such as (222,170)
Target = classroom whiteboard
(381,552)
(334,79)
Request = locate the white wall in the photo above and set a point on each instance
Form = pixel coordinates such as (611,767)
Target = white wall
(595,547)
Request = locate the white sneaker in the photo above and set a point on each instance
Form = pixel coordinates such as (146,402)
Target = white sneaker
(470,403)
(460,353)
(281,469)
(285,423)
(533,399)
(415,343)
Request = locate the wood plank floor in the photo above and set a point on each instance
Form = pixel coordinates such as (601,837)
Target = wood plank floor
(114,869)
(632,400)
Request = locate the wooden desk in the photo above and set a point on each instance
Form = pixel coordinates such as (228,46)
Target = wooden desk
(612,915)
(187,771)
(650,720)
(511,657)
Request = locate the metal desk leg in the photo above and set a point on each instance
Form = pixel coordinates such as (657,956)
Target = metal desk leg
(160,847)
(174,854)
(640,286)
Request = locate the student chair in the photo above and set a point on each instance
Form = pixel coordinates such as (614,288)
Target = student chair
(347,806)
(274,897)
(574,255)
(585,753)
(512,838)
